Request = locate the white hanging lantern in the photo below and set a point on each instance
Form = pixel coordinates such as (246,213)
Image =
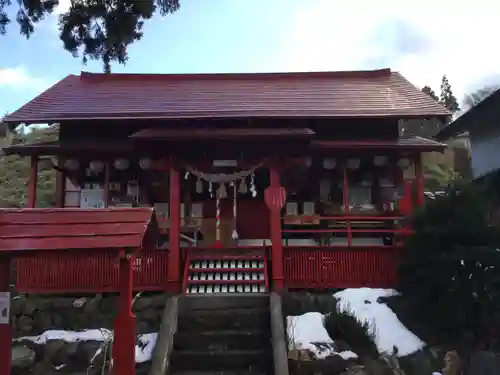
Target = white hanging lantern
(353,163)
(380,161)
(96,166)
(145,163)
(121,164)
(71,164)
(329,164)
(404,163)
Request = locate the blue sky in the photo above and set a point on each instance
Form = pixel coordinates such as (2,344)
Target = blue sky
(275,35)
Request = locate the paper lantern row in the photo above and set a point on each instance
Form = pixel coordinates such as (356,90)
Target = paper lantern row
(97,166)
(354,163)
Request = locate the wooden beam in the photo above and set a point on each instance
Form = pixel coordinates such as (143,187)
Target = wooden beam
(32,182)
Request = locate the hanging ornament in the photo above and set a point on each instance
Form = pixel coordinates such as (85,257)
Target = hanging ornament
(243,187)
(199,186)
(234,235)
(253,190)
(211,190)
(186,175)
(221,192)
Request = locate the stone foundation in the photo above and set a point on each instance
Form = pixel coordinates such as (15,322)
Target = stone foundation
(33,315)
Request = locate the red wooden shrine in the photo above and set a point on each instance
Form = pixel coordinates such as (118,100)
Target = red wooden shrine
(256,181)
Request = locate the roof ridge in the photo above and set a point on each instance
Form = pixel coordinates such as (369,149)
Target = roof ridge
(89,76)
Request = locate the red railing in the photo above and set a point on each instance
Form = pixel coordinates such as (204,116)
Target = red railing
(334,267)
(88,272)
(347,265)
(400,229)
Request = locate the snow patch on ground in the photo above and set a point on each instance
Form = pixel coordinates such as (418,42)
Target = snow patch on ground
(307,332)
(387,329)
(143,349)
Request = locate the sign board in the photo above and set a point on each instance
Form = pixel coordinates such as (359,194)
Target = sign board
(275,197)
(4,307)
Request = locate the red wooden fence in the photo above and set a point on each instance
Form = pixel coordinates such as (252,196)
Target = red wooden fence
(304,268)
(324,268)
(88,272)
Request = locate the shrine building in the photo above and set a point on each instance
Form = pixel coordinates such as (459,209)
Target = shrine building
(254,182)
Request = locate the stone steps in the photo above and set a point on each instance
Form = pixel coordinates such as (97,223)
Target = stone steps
(244,319)
(221,360)
(228,372)
(222,340)
(223,334)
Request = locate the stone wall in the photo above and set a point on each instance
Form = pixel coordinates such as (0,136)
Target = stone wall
(33,315)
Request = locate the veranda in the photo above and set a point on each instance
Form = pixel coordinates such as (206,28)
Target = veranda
(336,217)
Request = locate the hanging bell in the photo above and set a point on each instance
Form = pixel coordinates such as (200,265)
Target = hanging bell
(222,193)
(199,186)
(243,189)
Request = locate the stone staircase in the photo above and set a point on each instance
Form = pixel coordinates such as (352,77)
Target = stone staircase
(224,335)
(223,273)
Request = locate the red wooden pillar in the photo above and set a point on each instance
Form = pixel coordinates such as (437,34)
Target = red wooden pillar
(5,326)
(174,232)
(276,241)
(347,206)
(32,182)
(420,181)
(124,336)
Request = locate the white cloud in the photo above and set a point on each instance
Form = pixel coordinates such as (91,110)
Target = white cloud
(18,77)
(455,38)
(63,6)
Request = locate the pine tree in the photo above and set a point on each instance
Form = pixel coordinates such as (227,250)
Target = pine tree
(447,99)
(430,92)
(99,30)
